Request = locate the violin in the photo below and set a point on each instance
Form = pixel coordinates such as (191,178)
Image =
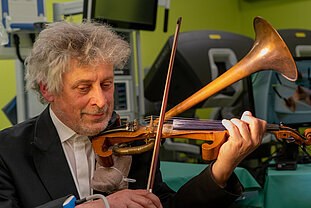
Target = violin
(118,140)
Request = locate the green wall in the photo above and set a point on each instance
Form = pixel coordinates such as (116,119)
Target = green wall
(227,15)
(7,88)
(282,14)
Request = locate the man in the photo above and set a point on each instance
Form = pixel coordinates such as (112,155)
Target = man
(71,68)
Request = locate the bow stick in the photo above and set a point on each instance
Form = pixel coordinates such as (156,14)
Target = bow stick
(156,148)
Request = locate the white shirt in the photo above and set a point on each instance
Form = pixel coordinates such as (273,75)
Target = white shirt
(65,135)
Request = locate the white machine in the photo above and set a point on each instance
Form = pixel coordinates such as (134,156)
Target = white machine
(20,22)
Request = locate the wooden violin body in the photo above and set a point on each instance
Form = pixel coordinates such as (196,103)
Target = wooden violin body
(118,141)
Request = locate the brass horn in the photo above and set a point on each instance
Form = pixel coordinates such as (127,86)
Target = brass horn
(269,52)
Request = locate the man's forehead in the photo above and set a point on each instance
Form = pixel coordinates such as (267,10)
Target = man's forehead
(89,63)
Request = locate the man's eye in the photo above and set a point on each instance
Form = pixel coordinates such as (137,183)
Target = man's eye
(107,84)
(83,89)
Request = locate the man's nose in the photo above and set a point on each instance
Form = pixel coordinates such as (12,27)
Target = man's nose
(98,97)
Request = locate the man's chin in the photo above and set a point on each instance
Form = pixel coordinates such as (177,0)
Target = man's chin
(95,128)
(90,131)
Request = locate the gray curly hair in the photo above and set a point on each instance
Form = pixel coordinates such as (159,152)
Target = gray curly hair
(87,43)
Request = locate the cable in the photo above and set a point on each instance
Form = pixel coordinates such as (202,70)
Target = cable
(92,197)
(17,46)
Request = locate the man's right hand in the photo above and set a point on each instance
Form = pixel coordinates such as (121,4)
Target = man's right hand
(127,198)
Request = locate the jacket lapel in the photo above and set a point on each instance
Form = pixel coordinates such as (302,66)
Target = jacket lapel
(50,160)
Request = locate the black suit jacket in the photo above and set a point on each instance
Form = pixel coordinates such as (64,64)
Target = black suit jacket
(34,171)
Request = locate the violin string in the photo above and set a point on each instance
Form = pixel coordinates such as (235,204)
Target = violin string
(198,124)
(148,119)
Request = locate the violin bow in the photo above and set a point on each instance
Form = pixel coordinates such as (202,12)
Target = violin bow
(156,148)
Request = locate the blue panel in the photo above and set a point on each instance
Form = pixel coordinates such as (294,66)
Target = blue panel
(24,26)
(40,5)
(5,8)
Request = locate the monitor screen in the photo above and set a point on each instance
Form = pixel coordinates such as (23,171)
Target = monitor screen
(296,108)
(128,14)
(278,100)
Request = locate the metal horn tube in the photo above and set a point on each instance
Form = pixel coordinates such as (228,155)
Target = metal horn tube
(269,52)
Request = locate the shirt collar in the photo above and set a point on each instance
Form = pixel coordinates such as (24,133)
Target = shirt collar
(63,131)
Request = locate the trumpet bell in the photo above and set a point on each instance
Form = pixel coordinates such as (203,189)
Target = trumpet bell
(272,50)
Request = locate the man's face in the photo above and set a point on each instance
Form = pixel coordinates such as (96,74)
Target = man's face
(86,101)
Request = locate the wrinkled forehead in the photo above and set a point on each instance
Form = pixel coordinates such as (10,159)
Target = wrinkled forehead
(94,63)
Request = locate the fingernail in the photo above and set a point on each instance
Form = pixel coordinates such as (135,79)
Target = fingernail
(224,122)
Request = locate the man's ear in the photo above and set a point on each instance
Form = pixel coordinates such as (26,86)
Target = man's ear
(45,93)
